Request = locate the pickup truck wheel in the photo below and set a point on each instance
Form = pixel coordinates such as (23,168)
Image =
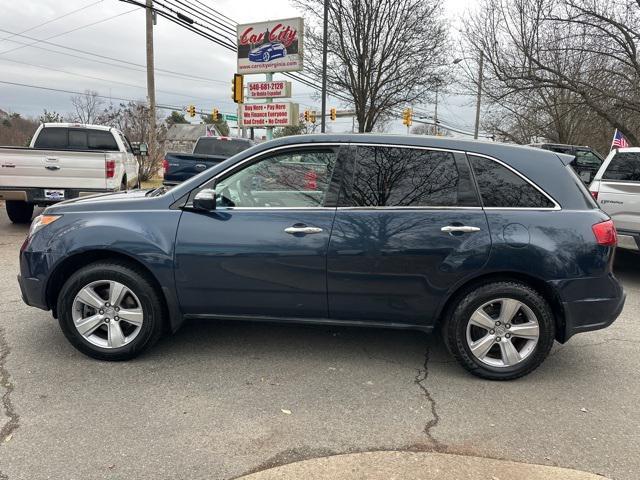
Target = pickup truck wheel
(19,211)
(500,331)
(110,311)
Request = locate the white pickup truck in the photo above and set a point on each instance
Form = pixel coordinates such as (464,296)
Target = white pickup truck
(65,160)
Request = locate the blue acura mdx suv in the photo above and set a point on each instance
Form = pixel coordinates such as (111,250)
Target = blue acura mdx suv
(500,247)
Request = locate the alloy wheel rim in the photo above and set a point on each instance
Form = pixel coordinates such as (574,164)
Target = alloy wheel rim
(107,314)
(503,332)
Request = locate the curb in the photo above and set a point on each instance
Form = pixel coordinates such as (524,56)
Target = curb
(414,466)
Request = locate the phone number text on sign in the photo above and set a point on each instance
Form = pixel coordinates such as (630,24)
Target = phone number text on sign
(277,89)
(269,114)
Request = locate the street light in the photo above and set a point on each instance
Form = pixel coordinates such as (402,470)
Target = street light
(479,94)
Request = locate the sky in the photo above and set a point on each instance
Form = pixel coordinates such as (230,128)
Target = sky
(189,68)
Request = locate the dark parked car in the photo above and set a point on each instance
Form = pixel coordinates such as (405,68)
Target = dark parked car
(207,152)
(586,162)
(500,246)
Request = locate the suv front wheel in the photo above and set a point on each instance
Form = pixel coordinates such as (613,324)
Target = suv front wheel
(500,331)
(110,311)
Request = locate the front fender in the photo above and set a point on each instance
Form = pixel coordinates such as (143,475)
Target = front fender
(145,237)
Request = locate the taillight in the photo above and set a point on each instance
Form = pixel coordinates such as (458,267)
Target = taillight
(110,168)
(605,233)
(165,166)
(594,195)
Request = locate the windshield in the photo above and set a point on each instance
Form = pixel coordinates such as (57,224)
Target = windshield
(216,146)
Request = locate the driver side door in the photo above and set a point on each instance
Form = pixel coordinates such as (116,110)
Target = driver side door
(262,251)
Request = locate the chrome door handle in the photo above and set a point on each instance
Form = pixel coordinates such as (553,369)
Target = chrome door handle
(461,228)
(200,165)
(306,230)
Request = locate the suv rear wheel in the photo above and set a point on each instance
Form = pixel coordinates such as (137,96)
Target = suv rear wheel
(500,331)
(19,211)
(110,311)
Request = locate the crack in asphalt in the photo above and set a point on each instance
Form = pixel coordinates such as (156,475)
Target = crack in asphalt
(5,378)
(420,380)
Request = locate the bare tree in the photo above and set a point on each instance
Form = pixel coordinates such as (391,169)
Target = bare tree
(132,119)
(87,107)
(383,54)
(552,62)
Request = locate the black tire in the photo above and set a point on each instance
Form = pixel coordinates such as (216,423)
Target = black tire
(19,211)
(135,280)
(454,330)
(123,185)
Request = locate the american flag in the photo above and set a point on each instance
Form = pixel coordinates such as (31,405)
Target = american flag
(619,140)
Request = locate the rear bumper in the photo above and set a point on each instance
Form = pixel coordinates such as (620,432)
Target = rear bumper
(629,240)
(597,306)
(36,195)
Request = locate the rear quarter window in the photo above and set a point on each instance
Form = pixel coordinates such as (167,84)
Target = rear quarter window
(624,166)
(500,187)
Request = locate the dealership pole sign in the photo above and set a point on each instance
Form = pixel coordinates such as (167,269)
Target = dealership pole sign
(273,46)
(269,114)
(273,89)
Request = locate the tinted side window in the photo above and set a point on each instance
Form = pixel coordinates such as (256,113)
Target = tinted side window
(126,143)
(585,158)
(624,166)
(100,140)
(52,138)
(291,179)
(405,177)
(500,187)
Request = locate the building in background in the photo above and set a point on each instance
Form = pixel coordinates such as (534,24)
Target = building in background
(181,137)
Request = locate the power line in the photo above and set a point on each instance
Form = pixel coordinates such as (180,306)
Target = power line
(52,20)
(60,90)
(97,55)
(46,67)
(68,31)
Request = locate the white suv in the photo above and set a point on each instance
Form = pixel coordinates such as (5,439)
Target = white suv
(616,187)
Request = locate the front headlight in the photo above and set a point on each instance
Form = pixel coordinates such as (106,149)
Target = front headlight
(42,221)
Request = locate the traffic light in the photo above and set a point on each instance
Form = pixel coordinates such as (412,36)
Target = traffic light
(237,88)
(312,116)
(307,115)
(407,113)
(333,114)
(191,110)
(215,115)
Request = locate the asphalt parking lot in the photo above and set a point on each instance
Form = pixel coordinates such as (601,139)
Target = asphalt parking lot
(218,400)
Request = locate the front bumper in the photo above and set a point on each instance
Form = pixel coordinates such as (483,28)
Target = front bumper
(32,292)
(34,273)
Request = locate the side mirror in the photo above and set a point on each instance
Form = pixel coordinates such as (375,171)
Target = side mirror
(135,149)
(205,200)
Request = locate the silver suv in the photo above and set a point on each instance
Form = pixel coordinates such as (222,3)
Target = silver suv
(616,187)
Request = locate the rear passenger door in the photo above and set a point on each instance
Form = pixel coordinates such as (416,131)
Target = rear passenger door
(409,227)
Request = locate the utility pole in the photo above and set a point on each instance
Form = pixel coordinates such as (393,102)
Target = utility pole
(435,113)
(479,97)
(151,84)
(323,113)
